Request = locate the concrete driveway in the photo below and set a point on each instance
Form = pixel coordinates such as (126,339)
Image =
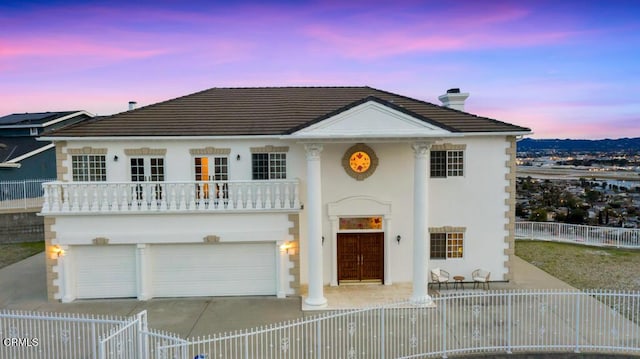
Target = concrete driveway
(23,287)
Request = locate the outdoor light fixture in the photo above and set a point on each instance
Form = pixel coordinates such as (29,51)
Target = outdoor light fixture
(284,247)
(238,157)
(115,158)
(322,239)
(398,238)
(58,252)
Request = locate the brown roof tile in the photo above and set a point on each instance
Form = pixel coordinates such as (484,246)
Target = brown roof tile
(267,111)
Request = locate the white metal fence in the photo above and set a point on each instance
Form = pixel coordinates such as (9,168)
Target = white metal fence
(52,335)
(457,323)
(454,323)
(573,233)
(22,194)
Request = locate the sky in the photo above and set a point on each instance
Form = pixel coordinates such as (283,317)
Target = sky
(565,69)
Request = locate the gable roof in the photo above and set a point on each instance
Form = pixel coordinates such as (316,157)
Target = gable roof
(268,111)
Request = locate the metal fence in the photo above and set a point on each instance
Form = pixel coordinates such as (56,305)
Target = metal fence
(54,335)
(456,323)
(573,233)
(22,194)
(451,324)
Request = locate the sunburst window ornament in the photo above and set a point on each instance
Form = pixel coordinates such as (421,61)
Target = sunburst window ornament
(360,161)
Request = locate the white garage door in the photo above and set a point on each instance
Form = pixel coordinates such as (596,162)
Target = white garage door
(105,271)
(181,270)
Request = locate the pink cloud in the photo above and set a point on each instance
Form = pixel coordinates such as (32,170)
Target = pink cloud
(370,45)
(65,45)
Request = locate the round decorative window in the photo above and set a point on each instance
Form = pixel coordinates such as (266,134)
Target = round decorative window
(359,161)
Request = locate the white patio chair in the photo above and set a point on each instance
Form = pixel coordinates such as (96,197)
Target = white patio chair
(480,277)
(440,276)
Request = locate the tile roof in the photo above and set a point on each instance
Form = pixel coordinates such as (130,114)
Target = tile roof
(267,111)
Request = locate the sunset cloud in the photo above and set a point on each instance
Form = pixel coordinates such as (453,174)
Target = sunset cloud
(557,67)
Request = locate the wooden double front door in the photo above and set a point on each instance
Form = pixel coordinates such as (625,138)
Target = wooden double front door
(360,257)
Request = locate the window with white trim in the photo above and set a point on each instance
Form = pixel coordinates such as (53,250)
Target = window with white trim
(265,166)
(88,168)
(447,245)
(447,164)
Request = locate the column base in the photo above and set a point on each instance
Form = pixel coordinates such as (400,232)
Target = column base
(320,302)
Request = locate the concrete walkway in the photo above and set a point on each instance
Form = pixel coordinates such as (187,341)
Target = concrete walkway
(23,287)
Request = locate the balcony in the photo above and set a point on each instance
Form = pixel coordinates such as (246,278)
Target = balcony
(155,197)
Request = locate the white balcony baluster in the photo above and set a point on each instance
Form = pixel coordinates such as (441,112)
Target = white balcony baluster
(118,197)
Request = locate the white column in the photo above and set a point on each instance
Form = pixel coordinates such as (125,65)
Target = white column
(64,266)
(142,263)
(315,296)
(420,221)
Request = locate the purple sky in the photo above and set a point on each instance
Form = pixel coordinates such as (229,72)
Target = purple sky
(566,69)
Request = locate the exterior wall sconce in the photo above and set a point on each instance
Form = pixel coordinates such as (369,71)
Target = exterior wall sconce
(57,252)
(115,158)
(322,240)
(285,247)
(238,158)
(398,238)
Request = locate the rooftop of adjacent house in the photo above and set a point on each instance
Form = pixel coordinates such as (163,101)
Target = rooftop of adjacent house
(14,147)
(269,111)
(37,118)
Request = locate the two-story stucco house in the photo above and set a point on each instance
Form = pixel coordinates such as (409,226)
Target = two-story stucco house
(264,191)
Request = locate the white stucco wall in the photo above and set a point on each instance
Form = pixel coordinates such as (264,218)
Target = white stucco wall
(475,201)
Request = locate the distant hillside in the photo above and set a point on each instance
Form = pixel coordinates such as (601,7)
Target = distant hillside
(620,145)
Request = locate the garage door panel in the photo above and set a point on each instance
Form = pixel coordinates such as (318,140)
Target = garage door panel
(213,270)
(105,271)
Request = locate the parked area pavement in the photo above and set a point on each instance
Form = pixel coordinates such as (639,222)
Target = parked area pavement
(23,287)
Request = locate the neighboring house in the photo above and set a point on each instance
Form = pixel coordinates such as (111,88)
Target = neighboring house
(22,156)
(266,191)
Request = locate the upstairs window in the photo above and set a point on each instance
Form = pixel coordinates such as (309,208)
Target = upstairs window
(447,245)
(447,164)
(266,166)
(89,168)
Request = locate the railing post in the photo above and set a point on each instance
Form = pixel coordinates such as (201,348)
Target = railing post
(577,324)
(24,193)
(246,343)
(443,304)
(93,339)
(509,322)
(318,340)
(382,336)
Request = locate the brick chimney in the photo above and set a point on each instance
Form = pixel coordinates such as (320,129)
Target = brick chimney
(453,99)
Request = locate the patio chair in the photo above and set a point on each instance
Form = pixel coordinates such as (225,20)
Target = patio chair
(440,276)
(480,277)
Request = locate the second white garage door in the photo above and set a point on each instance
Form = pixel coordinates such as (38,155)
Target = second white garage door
(184,270)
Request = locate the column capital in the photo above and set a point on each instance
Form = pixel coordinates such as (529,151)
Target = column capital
(313,150)
(421,148)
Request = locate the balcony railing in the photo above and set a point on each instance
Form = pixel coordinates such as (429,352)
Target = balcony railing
(118,197)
